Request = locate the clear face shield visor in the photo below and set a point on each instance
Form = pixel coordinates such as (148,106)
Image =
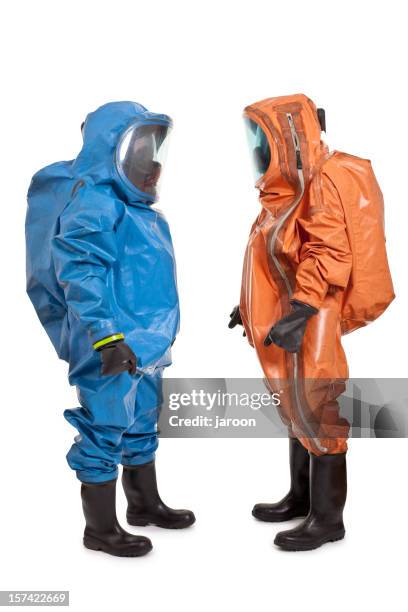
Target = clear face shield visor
(141,155)
(258,147)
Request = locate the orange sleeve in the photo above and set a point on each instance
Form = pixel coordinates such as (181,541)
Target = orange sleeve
(325,255)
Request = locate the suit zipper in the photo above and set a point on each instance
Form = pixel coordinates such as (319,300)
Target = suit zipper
(272,245)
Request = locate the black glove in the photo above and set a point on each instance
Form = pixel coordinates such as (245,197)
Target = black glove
(235,317)
(288,332)
(117,357)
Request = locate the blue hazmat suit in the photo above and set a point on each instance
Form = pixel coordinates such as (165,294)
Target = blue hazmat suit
(100,262)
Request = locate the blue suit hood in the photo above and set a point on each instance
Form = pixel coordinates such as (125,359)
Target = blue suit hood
(102,133)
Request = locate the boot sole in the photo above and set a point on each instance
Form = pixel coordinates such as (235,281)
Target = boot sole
(297,548)
(141,522)
(280,519)
(92,544)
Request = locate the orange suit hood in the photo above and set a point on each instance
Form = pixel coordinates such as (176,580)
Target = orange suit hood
(280,182)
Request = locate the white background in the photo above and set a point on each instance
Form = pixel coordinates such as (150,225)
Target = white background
(200,62)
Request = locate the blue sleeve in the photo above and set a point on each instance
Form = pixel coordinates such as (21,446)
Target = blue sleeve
(84,251)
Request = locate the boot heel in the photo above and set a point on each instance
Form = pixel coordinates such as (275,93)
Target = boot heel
(92,544)
(339,535)
(136,521)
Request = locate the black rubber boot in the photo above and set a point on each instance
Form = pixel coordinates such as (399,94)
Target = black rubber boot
(296,502)
(102,531)
(144,504)
(328,491)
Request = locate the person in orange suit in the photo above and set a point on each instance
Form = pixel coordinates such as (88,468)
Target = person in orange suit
(297,301)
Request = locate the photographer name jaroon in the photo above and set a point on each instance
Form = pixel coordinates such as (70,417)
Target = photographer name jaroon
(210,422)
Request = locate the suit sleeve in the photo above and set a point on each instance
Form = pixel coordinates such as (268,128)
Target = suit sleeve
(325,256)
(84,251)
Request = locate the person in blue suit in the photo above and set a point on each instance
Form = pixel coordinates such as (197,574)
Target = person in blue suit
(101,275)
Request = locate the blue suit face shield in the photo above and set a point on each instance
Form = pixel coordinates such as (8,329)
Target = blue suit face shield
(140,156)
